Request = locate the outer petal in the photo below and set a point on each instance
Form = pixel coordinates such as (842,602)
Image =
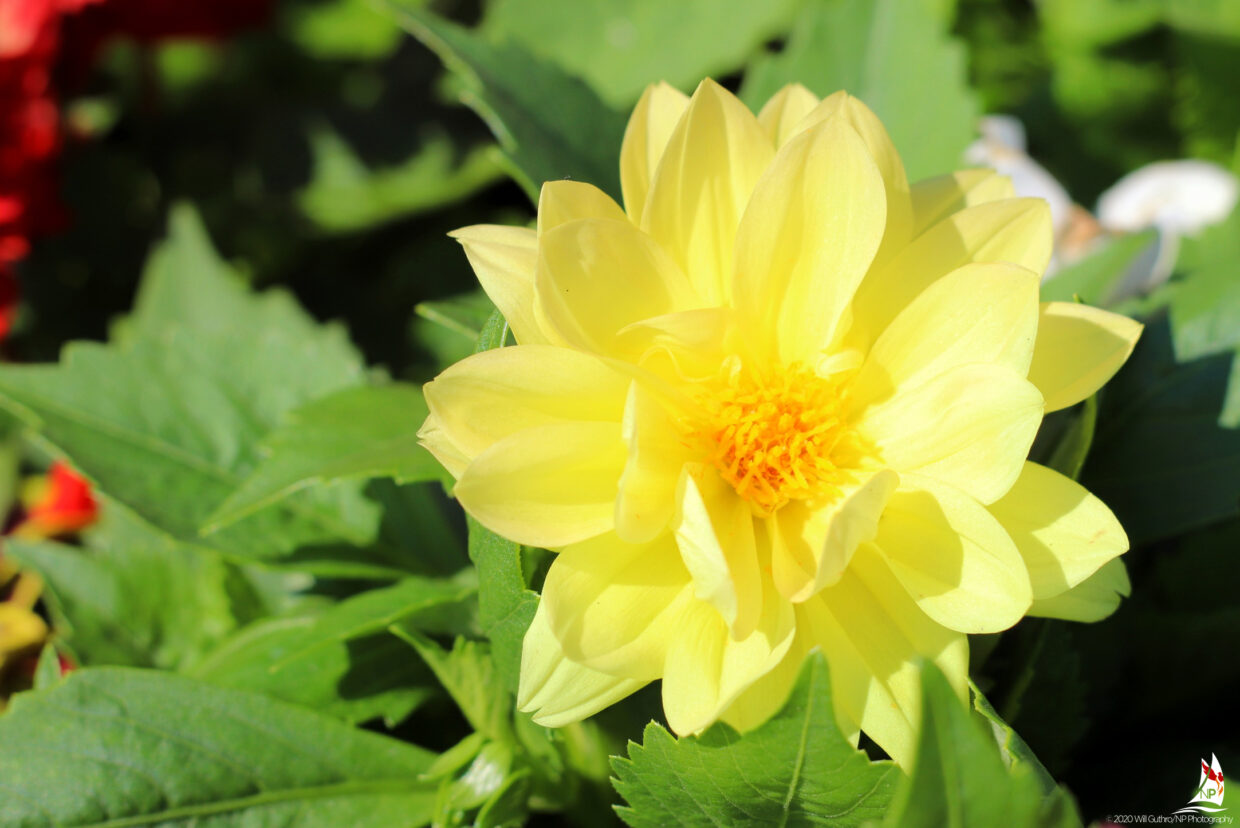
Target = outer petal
(435,440)
(980,313)
(560,202)
(1091,600)
(872,634)
(806,240)
(714,158)
(503,258)
(1063,532)
(954,558)
(1079,348)
(934,199)
(706,670)
(549,485)
(971,426)
(715,534)
(597,276)
(768,694)
(656,455)
(878,142)
(557,691)
(615,606)
(645,139)
(811,547)
(782,115)
(488,396)
(1016,230)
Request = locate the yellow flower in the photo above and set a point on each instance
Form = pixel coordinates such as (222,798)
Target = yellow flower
(779,401)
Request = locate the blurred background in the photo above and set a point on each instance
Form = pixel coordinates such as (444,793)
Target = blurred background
(329,152)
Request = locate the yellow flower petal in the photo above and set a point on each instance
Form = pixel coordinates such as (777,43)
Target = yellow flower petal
(488,396)
(806,240)
(706,670)
(560,202)
(645,139)
(656,454)
(714,158)
(435,440)
(1079,348)
(861,118)
(984,313)
(934,199)
(813,546)
(503,259)
(1093,599)
(715,534)
(549,485)
(558,691)
(1063,532)
(595,277)
(767,695)
(954,558)
(872,634)
(971,426)
(782,115)
(1017,231)
(615,606)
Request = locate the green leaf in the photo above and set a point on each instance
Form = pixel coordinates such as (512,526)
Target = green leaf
(343,30)
(1072,450)
(132,595)
(47,669)
(1098,278)
(363,433)
(549,124)
(959,778)
(468,674)
(797,769)
(168,418)
(1012,748)
(505,605)
(343,662)
(124,747)
(896,56)
(1160,460)
(620,46)
(344,195)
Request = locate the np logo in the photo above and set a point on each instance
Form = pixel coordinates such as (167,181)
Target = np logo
(1209,796)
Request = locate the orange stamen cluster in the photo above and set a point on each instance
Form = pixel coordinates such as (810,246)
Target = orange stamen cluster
(777,438)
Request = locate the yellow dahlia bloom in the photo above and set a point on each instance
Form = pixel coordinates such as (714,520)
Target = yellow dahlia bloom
(781,400)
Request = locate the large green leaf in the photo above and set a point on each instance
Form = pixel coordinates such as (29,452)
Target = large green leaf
(797,769)
(619,46)
(959,778)
(343,662)
(364,433)
(896,56)
(118,746)
(549,124)
(1160,459)
(168,418)
(132,595)
(506,606)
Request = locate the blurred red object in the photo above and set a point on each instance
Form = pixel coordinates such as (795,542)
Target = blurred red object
(9,297)
(60,504)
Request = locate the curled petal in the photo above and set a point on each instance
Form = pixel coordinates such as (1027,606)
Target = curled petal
(1078,349)
(645,140)
(934,199)
(1093,599)
(563,201)
(503,259)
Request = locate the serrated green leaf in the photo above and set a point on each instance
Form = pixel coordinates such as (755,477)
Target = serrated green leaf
(797,769)
(959,778)
(620,46)
(895,55)
(341,662)
(132,595)
(124,747)
(358,433)
(549,124)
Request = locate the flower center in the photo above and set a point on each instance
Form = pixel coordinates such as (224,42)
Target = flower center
(778,437)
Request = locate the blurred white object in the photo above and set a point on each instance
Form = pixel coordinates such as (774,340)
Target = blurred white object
(1002,148)
(1180,197)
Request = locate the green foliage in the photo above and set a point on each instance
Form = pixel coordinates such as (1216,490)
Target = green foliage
(895,56)
(612,44)
(797,769)
(960,779)
(130,747)
(549,124)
